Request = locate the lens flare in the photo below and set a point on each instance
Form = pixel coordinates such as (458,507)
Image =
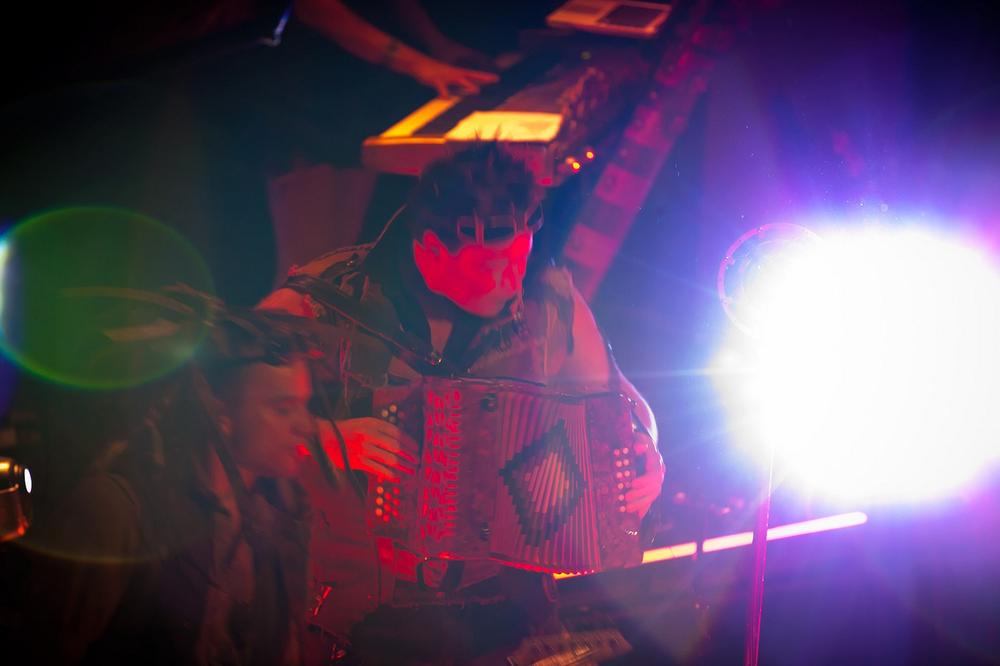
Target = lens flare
(62,277)
(752,260)
(876,366)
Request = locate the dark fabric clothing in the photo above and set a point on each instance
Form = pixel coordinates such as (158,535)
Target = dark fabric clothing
(142,569)
(482,624)
(529,341)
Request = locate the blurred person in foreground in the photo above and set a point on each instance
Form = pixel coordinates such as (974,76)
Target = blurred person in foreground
(187,540)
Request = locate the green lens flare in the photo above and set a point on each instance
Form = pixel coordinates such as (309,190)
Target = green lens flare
(77,297)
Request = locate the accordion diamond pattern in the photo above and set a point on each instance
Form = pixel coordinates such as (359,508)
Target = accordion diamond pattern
(545,484)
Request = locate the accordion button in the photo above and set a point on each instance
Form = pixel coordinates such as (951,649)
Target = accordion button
(621,486)
(385,518)
(379,500)
(618,463)
(628,473)
(625,450)
(621,509)
(626,462)
(393,408)
(378,512)
(379,489)
(618,475)
(618,452)
(621,498)
(396,490)
(384,413)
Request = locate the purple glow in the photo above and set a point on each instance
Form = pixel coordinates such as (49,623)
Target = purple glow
(714,544)
(876,353)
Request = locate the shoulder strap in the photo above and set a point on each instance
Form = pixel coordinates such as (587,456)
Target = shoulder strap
(414,351)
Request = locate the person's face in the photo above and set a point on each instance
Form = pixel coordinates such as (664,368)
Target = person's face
(270,417)
(479,277)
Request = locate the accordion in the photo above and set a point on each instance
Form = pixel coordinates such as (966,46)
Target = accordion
(511,472)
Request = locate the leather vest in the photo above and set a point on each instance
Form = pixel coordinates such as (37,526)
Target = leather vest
(351,575)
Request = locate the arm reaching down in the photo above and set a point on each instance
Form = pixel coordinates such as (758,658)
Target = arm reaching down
(338,23)
(590,366)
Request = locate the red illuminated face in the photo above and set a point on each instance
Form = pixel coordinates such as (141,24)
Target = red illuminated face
(480,278)
(269,416)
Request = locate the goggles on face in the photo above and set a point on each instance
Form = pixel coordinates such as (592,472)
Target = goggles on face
(471,229)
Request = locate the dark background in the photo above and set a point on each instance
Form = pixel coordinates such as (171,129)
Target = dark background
(839,107)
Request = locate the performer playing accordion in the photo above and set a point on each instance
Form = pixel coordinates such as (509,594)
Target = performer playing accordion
(485,430)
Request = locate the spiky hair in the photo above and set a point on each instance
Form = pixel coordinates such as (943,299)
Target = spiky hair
(484,180)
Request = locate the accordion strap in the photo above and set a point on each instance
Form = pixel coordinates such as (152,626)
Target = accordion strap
(414,351)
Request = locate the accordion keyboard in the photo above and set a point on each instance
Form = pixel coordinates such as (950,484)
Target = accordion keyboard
(514,473)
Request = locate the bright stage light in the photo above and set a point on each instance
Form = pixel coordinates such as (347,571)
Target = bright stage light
(876,365)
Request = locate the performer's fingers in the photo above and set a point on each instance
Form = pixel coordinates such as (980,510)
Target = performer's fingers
(393,438)
(645,481)
(640,496)
(404,450)
(394,457)
(442,89)
(639,502)
(466,85)
(637,490)
(641,508)
(391,431)
(642,487)
(480,76)
(389,458)
(381,471)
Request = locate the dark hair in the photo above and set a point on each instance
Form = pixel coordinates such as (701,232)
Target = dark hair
(187,416)
(485,180)
(184,404)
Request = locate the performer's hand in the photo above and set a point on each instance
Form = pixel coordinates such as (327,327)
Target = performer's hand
(449,80)
(646,488)
(374,446)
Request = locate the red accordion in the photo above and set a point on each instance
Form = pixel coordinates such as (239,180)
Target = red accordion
(512,472)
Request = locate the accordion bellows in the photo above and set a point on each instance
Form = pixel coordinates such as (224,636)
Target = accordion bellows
(512,472)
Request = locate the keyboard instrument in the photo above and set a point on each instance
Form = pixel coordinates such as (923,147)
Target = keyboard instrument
(549,108)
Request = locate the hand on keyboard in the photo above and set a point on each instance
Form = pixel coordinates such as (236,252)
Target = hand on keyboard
(448,80)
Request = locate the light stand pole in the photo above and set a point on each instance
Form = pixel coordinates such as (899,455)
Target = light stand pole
(760,252)
(755,611)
